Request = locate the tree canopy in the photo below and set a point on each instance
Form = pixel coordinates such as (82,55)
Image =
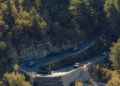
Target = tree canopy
(55,21)
(14,79)
(114,81)
(115,55)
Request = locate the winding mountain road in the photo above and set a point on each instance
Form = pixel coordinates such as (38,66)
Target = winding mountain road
(69,69)
(44,61)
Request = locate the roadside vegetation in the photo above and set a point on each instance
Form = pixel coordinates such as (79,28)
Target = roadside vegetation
(59,22)
(109,71)
(87,54)
(14,78)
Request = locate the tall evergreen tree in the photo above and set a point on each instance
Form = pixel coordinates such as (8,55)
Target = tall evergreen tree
(112,9)
(115,55)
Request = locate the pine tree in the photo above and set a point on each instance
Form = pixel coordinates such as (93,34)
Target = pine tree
(115,55)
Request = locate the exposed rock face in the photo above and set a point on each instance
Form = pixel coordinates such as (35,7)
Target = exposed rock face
(37,50)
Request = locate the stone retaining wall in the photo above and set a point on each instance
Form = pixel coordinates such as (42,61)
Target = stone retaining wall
(65,80)
(80,74)
(48,81)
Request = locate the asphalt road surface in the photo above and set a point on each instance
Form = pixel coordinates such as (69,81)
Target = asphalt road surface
(69,69)
(44,61)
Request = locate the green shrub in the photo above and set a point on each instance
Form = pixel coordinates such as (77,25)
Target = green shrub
(2,46)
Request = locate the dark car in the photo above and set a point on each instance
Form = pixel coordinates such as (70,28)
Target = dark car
(31,63)
(77,65)
(74,49)
(45,71)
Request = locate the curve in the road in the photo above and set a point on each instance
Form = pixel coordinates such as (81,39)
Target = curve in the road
(52,59)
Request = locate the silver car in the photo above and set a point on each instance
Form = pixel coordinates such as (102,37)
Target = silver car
(77,65)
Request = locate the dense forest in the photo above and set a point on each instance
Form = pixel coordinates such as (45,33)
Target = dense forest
(57,21)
